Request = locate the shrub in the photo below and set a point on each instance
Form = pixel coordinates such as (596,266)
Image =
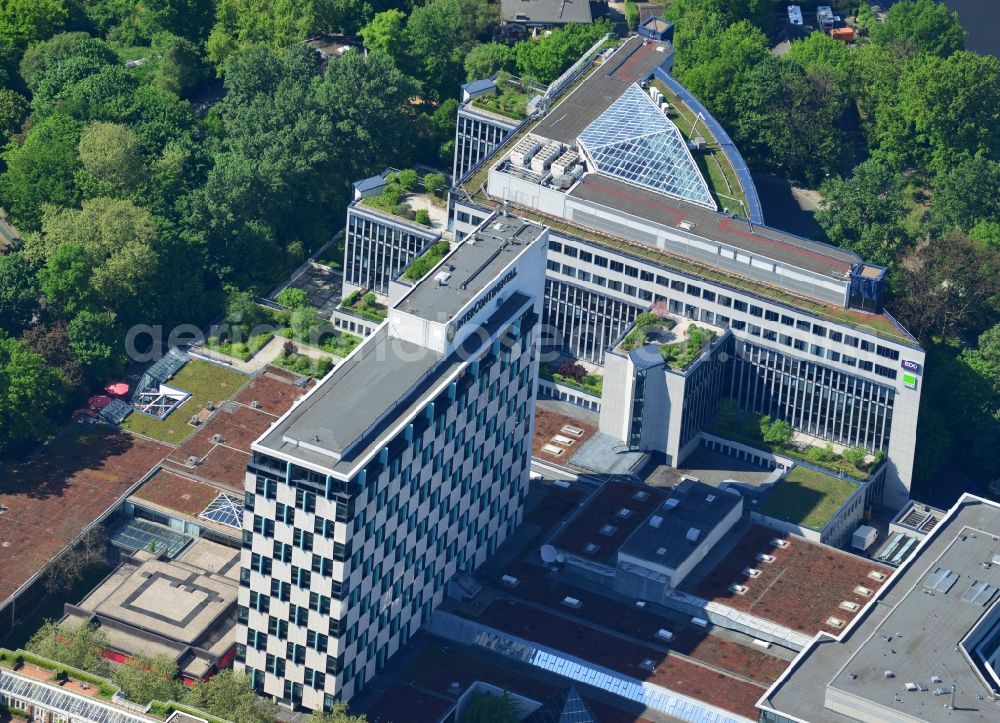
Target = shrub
(289,348)
(293,298)
(406,179)
(422,217)
(434,182)
(775,431)
(572,370)
(631,15)
(369,299)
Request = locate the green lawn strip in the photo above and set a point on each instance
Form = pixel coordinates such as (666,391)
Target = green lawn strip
(807,497)
(205,382)
(240,350)
(419,267)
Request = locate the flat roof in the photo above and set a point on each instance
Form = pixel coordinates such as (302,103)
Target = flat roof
(807,497)
(384,381)
(382,372)
(800,589)
(180,600)
(815,256)
(603,511)
(699,506)
(473,265)
(914,630)
(50,498)
(547,12)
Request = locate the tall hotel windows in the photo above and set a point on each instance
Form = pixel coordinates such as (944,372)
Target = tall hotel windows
(587,321)
(376,250)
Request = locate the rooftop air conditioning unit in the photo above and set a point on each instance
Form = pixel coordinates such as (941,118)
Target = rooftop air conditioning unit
(255,404)
(835,622)
(664,634)
(218,439)
(764,557)
(751,572)
(693,534)
(779,543)
(655,521)
(572,602)
(876,575)
(738,589)
(851,607)
(510,581)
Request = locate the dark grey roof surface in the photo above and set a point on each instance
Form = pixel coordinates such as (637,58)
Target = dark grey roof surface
(763,240)
(912,631)
(473,265)
(564,707)
(694,510)
(633,62)
(547,12)
(367,184)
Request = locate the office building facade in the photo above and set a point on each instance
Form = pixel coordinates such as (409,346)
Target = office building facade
(407,464)
(377,246)
(799,330)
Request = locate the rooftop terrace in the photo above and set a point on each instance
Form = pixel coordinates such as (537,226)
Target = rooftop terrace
(786,590)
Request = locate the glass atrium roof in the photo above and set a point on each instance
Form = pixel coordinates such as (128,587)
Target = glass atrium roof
(635,142)
(226,510)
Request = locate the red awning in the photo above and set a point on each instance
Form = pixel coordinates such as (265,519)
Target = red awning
(117,389)
(99,402)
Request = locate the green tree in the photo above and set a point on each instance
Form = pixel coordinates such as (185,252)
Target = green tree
(440,34)
(111,155)
(78,646)
(41,170)
(13,111)
(985,358)
(721,59)
(818,53)
(544,59)
(18,293)
(95,340)
(949,108)
(434,182)
(631,15)
(790,123)
(864,213)
(919,26)
(181,69)
(143,678)
(119,241)
(293,298)
(486,59)
(489,708)
(242,315)
(26,21)
(230,695)
(986,232)
(383,33)
(42,58)
(337,714)
(962,195)
(775,431)
(190,19)
(856,456)
(52,343)
(31,394)
(65,279)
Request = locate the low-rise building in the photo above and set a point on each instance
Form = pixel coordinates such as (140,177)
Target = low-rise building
(925,648)
(183,608)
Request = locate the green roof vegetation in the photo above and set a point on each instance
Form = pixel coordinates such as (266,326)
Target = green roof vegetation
(807,497)
(573,375)
(510,100)
(681,354)
(419,267)
(365,305)
(206,382)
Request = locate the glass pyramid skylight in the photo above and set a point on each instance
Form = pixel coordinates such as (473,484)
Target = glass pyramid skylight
(635,142)
(225,509)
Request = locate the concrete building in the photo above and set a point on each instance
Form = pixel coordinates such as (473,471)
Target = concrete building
(924,648)
(478,130)
(405,466)
(546,13)
(184,608)
(785,326)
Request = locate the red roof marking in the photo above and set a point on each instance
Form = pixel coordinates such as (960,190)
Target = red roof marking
(726,225)
(633,58)
(677,213)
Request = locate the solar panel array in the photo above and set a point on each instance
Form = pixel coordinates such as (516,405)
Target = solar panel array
(979,593)
(941,580)
(226,510)
(67,705)
(646,694)
(137,534)
(635,142)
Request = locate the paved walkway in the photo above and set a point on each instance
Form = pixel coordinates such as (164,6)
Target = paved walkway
(265,355)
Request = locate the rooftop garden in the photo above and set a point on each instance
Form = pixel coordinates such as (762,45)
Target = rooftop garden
(572,374)
(206,382)
(365,305)
(679,350)
(775,436)
(400,184)
(419,267)
(807,497)
(510,99)
(292,359)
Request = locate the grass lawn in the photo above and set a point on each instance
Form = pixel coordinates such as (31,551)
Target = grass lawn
(807,497)
(206,382)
